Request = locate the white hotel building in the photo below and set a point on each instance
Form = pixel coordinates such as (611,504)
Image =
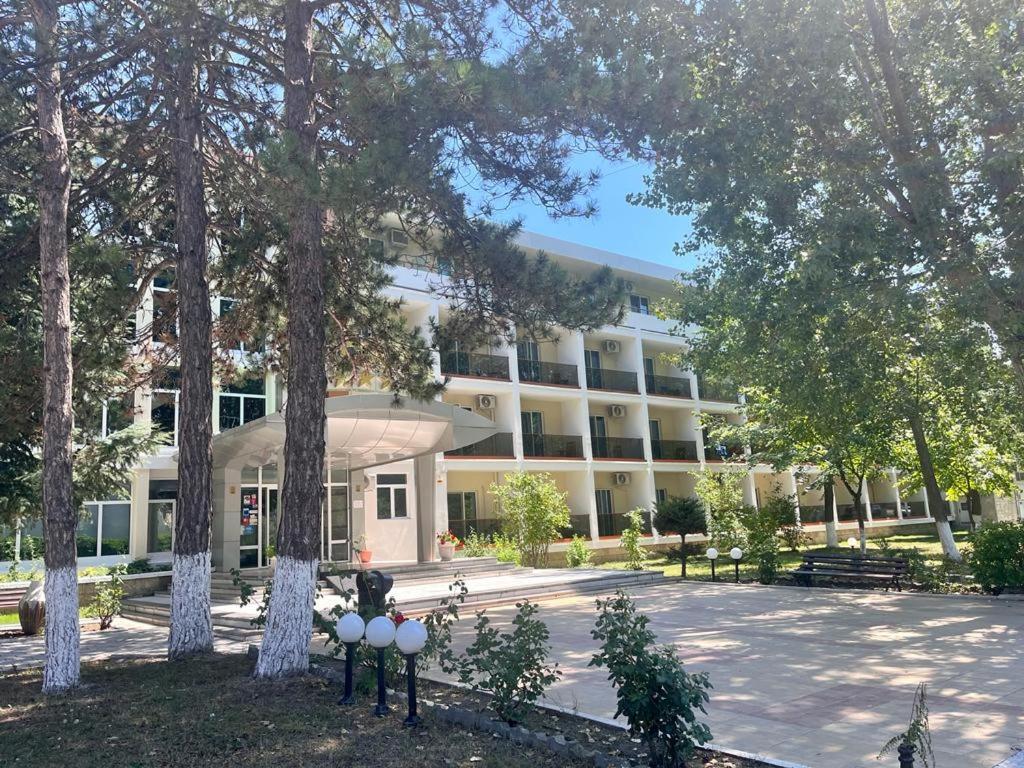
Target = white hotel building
(606,413)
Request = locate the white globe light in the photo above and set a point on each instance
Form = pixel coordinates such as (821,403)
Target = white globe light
(736,553)
(350,627)
(380,632)
(411,636)
(712,553)
(851,542)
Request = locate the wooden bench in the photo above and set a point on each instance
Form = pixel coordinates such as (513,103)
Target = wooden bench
(851,568)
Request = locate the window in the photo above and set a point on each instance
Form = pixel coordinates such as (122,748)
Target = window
(392,493)
(241,403)
(655,427)
(225,307)
(160,531)
(105,530)
(598,426)
(533,422)
(648,366)
(117,415)
(592,359)
(528,350)
(164,412)
(640,304)
(660,495)
(604,501)
(165,300)
(462,506)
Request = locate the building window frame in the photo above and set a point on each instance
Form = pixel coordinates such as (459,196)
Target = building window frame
(392,489)
(640,304)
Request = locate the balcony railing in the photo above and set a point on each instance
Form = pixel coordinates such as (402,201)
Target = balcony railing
(723,452)
(617,447)
(496,446)
(845,512)
(884,510)
(722,393)
(668,386)
(557,374)
(615,381)
(914,509)
(615,523)
(474,364)
(674,450)
(579,525)
(814,513)
(553,446)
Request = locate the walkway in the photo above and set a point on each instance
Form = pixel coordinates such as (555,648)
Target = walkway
(820,677)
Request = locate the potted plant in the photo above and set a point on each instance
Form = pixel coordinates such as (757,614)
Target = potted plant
(446,543)
(365,555)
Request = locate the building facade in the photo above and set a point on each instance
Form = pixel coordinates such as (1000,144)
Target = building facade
(607,414)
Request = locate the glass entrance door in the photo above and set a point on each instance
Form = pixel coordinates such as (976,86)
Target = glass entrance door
(249,549)
(334,538)
(269,522)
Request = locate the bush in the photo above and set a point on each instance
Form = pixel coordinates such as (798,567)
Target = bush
(783,509)
(636,556)
(763,542)
(107,602)
(658,698)
(577,554)
(721,493)
(533,513)
(680,516)
(476,545)
(511,666)
(506,549)
(997,556)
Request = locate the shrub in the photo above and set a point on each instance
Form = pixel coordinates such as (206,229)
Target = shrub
(636,556)
(506,549)
(476,545)
(658,698)
(721,493)
(577,554)
(680,516)
(783,509)
(533,513)
(997,556)
(107,602)
(511,666)
(763,542)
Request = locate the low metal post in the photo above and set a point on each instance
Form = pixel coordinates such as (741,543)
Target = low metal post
(412,719)
(906,753)
(382,705)
(349,696)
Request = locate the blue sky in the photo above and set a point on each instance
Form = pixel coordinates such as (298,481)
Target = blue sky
(632,230)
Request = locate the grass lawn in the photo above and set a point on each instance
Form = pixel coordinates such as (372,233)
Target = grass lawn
(9,616)
(699,568)
(143,714)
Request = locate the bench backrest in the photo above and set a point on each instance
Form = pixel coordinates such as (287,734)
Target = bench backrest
(854,563)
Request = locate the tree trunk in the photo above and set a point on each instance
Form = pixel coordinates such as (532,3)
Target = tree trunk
(60,516)
(285,648)
(191,629)
(859,509)
(936,504)
(973,507)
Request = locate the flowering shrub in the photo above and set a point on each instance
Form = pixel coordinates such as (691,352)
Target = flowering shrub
(447,537)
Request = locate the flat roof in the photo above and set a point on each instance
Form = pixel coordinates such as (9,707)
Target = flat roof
(587,253)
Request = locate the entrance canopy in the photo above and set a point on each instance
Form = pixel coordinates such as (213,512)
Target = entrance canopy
(362,431)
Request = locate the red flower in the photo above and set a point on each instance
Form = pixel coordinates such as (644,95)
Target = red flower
(399,618)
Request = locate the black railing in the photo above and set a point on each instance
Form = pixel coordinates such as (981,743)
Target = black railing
(617,447)
(722,393)
(674,450)
(553,446)
(616,381)
(914,509)
(579,525)
(668,386)
(615,523)
(559,374)
(498,445)
(845,513)
(884,510)
(474,364)
(487,526)
(723,452)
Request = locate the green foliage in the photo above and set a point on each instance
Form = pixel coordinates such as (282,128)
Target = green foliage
(511,666)
(476,545)
(506,549)
(784,509)
(577,553)
(658,698)
(680,516)
(636,555)
(918,734)
(533,513)
(107,602)
(763,541)
(997,556)
(721,493)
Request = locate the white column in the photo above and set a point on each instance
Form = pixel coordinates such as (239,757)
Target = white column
(138,543)
(226,521)
(424,472)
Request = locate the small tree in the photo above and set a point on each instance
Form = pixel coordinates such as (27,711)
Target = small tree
(681,516)
(577,554)
(107,602)
(763,542)
(658,698)
(533,513)
(782,509)
(630,541)
(721,493)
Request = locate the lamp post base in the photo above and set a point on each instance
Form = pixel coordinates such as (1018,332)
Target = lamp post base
(381,710)
(411,721)
(348,698)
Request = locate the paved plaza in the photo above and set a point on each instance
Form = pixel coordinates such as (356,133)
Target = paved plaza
(821,677)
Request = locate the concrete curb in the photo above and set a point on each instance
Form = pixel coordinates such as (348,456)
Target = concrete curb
(991,599)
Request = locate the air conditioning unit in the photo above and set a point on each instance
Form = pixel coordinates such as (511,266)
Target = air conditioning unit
(486,402)
(399,239)
(611,346)
(620,478)
(617,411)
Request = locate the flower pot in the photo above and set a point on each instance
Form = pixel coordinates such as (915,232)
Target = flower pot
(365,556)
(273,565)
(32,608)
(447,551)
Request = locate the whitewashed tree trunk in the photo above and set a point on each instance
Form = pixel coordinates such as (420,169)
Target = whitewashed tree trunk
(191,627)
(936,504)
(285,648)
(946,538)
(62,630)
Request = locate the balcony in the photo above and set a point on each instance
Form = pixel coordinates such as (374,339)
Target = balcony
(668,386)
(674,450)
(720,393)
(814,513)
(914,509)
(612,380)
(631,448)
(845,512)
(579,525)
(497,446)
(553,446)
(884,510)
(615,523)
(723,452)
(553,374)
(481,366)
